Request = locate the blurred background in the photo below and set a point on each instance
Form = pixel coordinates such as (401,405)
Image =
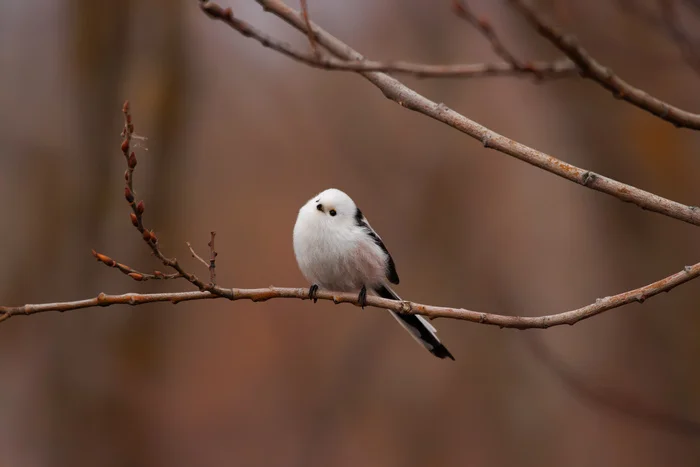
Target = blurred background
(239,137)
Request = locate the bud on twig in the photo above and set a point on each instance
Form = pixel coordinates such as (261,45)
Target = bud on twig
(140,207)
(104,258)
(127,194)
(136,276)
(134,219)
(146,235)
(125,146)
(132,160)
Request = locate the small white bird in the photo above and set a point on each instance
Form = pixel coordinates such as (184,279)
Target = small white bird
(337,250)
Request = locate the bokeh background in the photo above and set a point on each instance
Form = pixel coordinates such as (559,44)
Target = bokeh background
(239,138)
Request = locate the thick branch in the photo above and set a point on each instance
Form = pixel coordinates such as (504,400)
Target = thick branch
(603,75)
(257,295)
(407,97)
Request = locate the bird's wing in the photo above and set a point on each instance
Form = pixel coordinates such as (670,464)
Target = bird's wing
(361,221)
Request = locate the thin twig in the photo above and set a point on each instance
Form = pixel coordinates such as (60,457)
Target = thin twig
(603,75)
(138,209)
(549,70)
(133,273)
(212,259)
(309,34)
(462,9)
(518,322)
(406,97)
(196,256)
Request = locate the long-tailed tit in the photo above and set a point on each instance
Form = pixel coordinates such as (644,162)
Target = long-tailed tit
(337,250)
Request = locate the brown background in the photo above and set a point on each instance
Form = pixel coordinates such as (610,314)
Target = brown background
(239,139)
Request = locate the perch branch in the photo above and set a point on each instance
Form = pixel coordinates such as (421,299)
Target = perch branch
(518,322)
(211,290)
(603,75)
(408,98)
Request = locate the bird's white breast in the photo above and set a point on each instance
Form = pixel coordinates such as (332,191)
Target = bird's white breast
(336,256)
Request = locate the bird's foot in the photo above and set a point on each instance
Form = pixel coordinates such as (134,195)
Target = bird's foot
(312,292)
(362,298)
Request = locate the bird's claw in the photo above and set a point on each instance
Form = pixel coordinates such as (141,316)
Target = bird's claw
(312,292)
(362,298)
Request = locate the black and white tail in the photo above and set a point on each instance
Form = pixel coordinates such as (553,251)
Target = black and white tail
(421,330)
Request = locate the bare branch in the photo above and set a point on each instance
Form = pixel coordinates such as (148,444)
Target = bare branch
(211,265)
(548,70)
(462,9)
(138,209)
(518,322)
(213,291)
(408,98)
(212,259)
(309,33)
(133,273)
(603,75)
(196,256)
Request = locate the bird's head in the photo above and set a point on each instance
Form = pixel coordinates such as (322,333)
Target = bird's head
(331,207)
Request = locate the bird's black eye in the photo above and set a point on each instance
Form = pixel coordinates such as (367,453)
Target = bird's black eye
(319,206)
(332,212)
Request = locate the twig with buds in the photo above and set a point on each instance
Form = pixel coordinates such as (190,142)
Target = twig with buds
(138,209)
(134,274)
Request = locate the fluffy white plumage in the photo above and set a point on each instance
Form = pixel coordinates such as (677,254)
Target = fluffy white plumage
(338,250)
